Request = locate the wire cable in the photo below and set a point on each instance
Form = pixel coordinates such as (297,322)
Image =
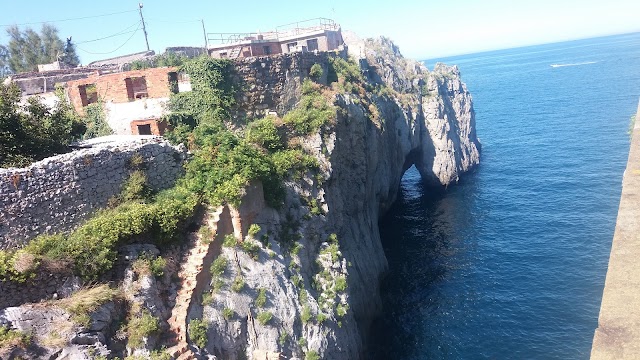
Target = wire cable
(71,19)
(118,48)
(124,31)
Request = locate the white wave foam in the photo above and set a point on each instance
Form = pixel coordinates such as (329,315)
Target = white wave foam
(575,64)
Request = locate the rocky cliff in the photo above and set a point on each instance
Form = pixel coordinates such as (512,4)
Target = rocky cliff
(419,117)
(301,281)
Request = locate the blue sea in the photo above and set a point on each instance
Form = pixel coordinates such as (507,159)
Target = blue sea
(510,263)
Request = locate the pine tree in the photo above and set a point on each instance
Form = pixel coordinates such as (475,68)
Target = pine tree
(27,48)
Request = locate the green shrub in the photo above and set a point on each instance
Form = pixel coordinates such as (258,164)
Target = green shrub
(341,310)
(33,132)
(229,241)
(85,301)
(263,132)
(320,318)
(315,72)
(264,317)
(341,283)
(254,229)
(305,315)
(198,333)
(159,355)
(302,342)
(91,248)
(10,338)
(207,299)
(96,121)
(313,111)
(311,355)
(238,284)
(345,69)
(141,326)
(227,313)
(218,266)
(251,248)
(261,298)
(282,339)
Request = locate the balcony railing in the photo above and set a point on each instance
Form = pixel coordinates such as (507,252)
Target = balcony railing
(287,30)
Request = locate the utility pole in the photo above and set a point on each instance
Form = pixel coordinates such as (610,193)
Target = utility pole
(144,29)
(206,41)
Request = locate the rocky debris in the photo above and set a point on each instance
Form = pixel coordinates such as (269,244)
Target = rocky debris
(55,335)
(141,290)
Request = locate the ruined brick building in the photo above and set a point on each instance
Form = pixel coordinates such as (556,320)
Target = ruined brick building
(134,101)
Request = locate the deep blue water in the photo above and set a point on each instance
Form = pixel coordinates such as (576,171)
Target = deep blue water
(510,263)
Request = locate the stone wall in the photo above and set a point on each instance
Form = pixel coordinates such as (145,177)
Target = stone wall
(44,286)
(37,83)
(272,83)
(57,193)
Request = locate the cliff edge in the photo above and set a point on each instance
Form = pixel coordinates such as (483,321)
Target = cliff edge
(299,280)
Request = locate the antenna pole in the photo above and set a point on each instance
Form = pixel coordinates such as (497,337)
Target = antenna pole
(204,32)
(144,29)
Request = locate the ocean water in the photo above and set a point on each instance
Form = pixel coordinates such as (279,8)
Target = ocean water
(510,263)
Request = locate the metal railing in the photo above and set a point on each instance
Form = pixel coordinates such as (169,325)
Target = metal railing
(287,30)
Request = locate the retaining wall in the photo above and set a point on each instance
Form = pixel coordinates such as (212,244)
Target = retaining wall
(57,193)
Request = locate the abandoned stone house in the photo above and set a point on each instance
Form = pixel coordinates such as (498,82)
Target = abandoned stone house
(134,101)
(310,35)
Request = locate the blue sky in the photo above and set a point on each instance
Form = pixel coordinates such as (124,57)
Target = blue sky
(423,29)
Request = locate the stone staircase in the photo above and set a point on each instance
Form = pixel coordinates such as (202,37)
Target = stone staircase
(193,274)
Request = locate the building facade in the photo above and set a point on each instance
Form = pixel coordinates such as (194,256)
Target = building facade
(309,35)
(133,101)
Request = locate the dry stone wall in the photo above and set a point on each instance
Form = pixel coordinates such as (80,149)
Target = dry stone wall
(55,194)
(272,83)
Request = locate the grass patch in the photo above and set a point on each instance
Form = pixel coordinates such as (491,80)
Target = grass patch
(311,355)
(140,327)
(265,317)
(85,301)
(313,111)
(305,315)
(10,338)
(261,298)
(341,283)
(238,284)
(147,265)
(227,313)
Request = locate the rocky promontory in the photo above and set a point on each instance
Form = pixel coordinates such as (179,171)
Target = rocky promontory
(301,280)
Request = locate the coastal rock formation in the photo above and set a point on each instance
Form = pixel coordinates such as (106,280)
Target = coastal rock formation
(302,281)
(422,118)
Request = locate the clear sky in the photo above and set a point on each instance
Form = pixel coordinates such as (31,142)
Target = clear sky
(422,28)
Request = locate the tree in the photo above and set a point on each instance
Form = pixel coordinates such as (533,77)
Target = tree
(4,61)
(27,48)
(32,132)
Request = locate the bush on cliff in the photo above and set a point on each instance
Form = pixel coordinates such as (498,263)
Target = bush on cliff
(313,111)
(92,247)
(33,132)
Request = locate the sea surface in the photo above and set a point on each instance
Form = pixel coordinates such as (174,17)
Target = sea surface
(510,263)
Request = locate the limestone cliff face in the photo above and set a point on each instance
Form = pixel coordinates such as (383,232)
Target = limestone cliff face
(312,286)
(423,118)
